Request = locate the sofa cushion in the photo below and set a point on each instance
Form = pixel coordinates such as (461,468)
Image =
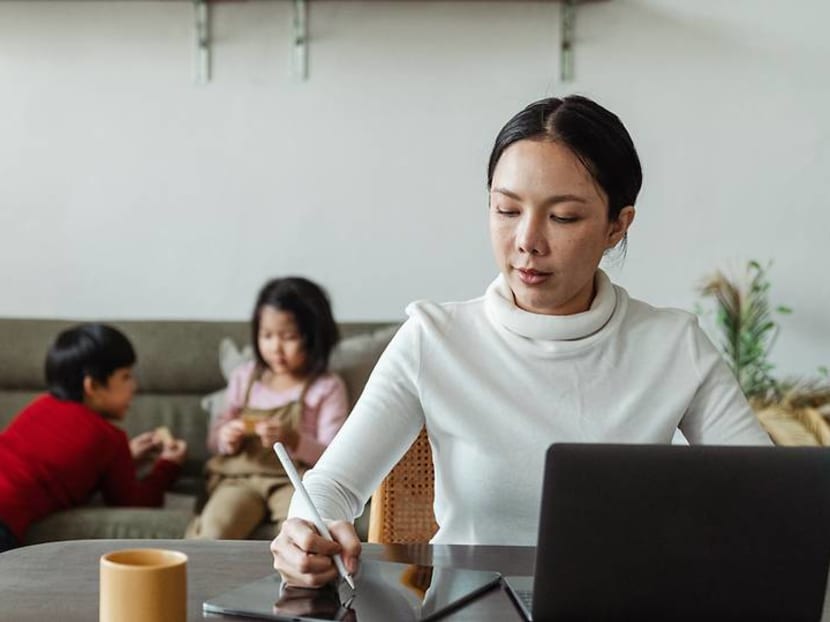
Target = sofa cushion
(355,357)
(12,402)
(172,354)
(230,357)
(182,414)
(94,522)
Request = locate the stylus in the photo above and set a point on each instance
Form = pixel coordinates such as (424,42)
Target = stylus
(288,465)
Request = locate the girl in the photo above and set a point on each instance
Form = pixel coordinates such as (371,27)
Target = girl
(285,394)
(552,352)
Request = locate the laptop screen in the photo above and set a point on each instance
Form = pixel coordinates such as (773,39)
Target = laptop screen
(653,532)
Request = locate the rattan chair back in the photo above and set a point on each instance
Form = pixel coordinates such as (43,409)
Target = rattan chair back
(401,510)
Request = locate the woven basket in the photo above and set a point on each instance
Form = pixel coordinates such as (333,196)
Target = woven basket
(795,426)
(401,510)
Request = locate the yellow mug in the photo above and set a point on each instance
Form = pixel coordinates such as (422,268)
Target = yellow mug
(139,585)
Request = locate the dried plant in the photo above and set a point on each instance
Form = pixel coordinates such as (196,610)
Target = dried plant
(747,329)
(808,393)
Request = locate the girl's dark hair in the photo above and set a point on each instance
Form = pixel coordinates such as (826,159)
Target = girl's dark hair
(595,135)
(310,306)
(94,350)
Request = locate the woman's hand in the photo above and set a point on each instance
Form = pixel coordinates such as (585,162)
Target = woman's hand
(230,437)
(304,558)
(272,430)
(143,445)
(175,451)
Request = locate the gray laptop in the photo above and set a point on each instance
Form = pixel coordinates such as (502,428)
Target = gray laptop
(648,532)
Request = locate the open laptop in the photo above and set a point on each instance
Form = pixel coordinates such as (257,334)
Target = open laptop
(648,532)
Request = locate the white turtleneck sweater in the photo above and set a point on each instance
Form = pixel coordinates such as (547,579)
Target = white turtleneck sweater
(496,385)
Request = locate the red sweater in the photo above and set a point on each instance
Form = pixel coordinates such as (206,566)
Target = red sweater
(55,454)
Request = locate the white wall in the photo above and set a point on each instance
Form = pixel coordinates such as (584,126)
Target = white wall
(127,191)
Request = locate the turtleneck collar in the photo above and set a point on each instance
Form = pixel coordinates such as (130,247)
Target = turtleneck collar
(502,308)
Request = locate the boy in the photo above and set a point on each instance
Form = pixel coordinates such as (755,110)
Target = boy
(63,447)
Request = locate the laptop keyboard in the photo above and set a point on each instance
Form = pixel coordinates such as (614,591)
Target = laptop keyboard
(520,588)
(526,597)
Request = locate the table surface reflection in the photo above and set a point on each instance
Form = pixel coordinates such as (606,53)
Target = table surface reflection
(59,580)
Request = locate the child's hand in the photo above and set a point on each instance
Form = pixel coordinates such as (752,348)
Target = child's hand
(231,436)
(174,452)
(272,430)
(162,435)
(143,445)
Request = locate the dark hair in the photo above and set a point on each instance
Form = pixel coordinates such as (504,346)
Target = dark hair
(595,135)
(94,350)
(310,306)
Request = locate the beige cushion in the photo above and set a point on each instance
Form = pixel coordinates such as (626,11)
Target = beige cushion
(230,357)
(355,357)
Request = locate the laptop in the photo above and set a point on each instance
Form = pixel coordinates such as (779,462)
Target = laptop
(650,532)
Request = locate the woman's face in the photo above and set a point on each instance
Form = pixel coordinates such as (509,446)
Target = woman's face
(549,226)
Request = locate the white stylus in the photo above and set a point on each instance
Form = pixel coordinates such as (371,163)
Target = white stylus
(288,465)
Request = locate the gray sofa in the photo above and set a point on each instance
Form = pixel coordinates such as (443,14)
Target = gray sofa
(178,367)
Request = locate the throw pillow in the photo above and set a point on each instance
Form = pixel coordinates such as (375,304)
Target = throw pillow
(230,357)
(354,359)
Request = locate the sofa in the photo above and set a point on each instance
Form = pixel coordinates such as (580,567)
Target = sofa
(182,370)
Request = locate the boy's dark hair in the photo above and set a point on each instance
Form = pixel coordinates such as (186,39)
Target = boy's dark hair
(310,306)
(94,350)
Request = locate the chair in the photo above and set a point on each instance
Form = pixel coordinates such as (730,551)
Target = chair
(401,509)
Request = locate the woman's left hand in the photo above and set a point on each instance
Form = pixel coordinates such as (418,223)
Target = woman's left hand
(272,430)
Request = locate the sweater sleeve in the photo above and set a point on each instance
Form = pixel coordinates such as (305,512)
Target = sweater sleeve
(121,487)
(331,410)
(719,413)
(234,398)
(382,426)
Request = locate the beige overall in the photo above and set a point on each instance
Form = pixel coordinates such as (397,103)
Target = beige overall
(250,486)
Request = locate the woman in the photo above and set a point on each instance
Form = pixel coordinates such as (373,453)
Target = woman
(553,351)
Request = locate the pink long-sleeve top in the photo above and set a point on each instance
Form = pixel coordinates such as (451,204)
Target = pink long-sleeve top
(324,410)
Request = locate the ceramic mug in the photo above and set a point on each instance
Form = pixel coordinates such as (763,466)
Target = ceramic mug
(139,585)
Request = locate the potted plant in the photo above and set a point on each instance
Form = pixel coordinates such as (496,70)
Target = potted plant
(793,411)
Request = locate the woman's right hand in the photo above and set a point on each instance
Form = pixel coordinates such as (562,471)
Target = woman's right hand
(304,558)
(230,437)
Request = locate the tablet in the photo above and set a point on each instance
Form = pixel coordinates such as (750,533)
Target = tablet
(383,591)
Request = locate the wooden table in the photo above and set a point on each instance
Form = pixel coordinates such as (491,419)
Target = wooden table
(59,580)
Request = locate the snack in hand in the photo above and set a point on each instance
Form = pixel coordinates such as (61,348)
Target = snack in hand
(164,436)
(250,420)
